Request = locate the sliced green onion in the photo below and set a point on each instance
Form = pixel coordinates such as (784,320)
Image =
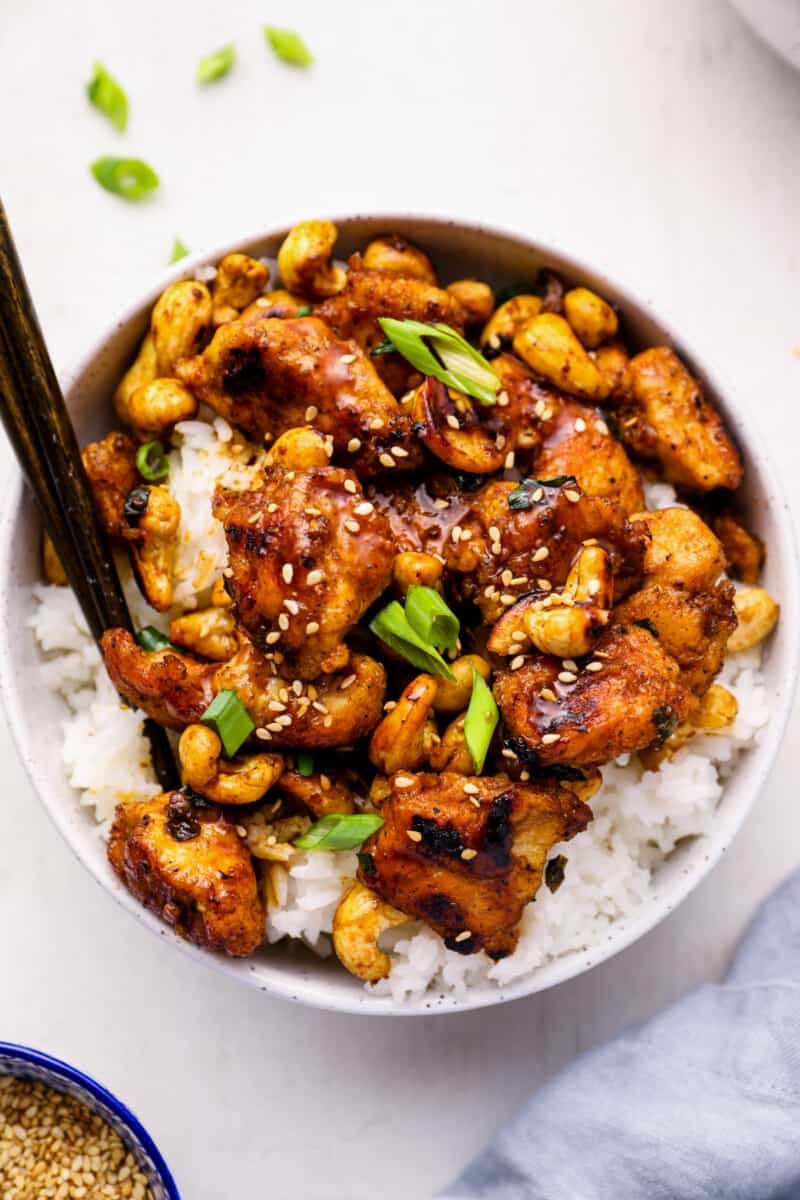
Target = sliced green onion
(340,831)
(215,65)
(522,495)
(288,46)
(304,310)
(392,627)
(179,251)
(151,462)
(439,351)
(151,638)
(128,177)
(228,716)
(429,616)
(305,763)
(480,721)
(105,93)
(384,347)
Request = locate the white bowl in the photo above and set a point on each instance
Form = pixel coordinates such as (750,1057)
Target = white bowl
(458,250)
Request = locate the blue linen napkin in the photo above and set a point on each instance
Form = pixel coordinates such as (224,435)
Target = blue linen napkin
(702,1101)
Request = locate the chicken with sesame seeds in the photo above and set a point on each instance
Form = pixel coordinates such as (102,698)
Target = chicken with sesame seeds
(466,854)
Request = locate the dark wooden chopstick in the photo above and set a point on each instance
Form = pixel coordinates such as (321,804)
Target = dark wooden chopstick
(38,425)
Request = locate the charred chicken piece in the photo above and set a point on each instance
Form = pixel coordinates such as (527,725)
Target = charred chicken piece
(467,854)
(309,555)
(368,294)
(111,468)
(625,697)
(271,376)
(667,417)
(189,866)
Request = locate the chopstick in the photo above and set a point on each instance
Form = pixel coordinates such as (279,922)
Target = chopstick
(39,428)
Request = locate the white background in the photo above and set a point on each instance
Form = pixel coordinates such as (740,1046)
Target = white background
(655,137)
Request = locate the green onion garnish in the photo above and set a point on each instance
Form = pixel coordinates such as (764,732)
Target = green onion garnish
(480,721)
(522,495)
(340,831)
(439,351)
(151,638)
(384,347)
(429,616)
(127,177)
(151,462)
(305,763)
(304,310)
(178,251)
(392,627)
(229,717)
(215,65)
(288,46)
(105,93)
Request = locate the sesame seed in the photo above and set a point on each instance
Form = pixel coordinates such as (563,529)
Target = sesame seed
(580,425)
(276,706)
(507,599)
(517,580)
(242,832)
(413,835)
(264,735)
(455,533)
(541,554)
(496,548)
(348,682)
(601,426)
(507,753)
(494,341)
(347,358)
(310,511)
(510,460)
(312,627)
(389,706)
(466,534)
(228,572)
(572,496)
(325,783)
(352,526)
(287,571)
(537,495)
(500,441)
(548,694)
(494,533)
(274,727)
(517,662)
(399,452)
(594,666)
(567,676)
(292,606)
(326,724)
(283,622)
(441,504)
(403,781)
(364,509)
(315,576)
(272,638)
(468,855)
(490,591)
(452,421)
(507,576)
(271,508)
(297,687)
(353,446)
(549,738)
(589,542)
(464,936)
(515,648)
(284,694)
(312,692)
(350,486)
(569,664)
(386,460)
(283,720)
(471,789)
(502,399)
(311,412)
(544,585)
(524,776)
(290,475)
(376,423)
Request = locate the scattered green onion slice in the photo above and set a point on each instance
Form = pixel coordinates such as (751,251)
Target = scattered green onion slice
(215,65)
(384,347)
(288,46)
(439,351)
(304,310)
(128,177)
(151,638)
(179,250)
(429,616)
(105,93)
(522,495)
(392,627)
(229,717)
(305,763)
(340,831)
(151,462)
(480,721)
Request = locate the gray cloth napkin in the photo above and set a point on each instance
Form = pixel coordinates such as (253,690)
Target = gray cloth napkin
(702,1101)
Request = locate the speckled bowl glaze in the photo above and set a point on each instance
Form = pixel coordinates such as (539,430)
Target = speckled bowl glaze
(25,1063)
(458,250)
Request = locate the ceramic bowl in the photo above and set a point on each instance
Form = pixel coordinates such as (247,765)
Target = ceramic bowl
(25,1063)
(458,250)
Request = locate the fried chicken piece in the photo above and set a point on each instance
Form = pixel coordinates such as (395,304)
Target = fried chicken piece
(188,865)
(421,515)
(667,417)
(176,689)
(599,714)
(467,861)
(111,468)
(744,551)
(692,628)
(309,555)
(270,376)
(369,294)
(681,551)
(510,551)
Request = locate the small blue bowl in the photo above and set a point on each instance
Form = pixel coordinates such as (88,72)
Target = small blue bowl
(24,1063)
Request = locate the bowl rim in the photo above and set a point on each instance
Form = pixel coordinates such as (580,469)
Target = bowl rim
(90,1086)
(625,931)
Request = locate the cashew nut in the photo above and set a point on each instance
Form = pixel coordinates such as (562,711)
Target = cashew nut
(318,792)
(209,632)
(360,918)
(612,362)
(241,780)
(304,260)
(155,408)
(591,317)
(448,424)
(453,695)
(757,613)
(394,253)
(412,567)
(403,739)
(565,632)
(180,323)
(239,280)
(717,711)
(452,753)
(299,449)
(585,788)
(507,320)
(220,596)
(476,299)
(143,370)
(591,577)
(153,537)
(548,345)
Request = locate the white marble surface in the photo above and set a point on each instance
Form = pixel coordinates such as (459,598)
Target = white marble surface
(659,137)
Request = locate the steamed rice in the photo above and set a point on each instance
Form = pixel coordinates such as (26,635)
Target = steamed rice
(640,816)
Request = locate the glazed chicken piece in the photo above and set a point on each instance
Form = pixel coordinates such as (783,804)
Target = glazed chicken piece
(666,416)
(308,555)
(188,865)
(111,468)
(369,294)
(421,515)
(633,696)
(467,854)
(270,376)
(176,689)
(502,552)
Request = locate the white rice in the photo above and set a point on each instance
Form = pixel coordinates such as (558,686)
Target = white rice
(640,816)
